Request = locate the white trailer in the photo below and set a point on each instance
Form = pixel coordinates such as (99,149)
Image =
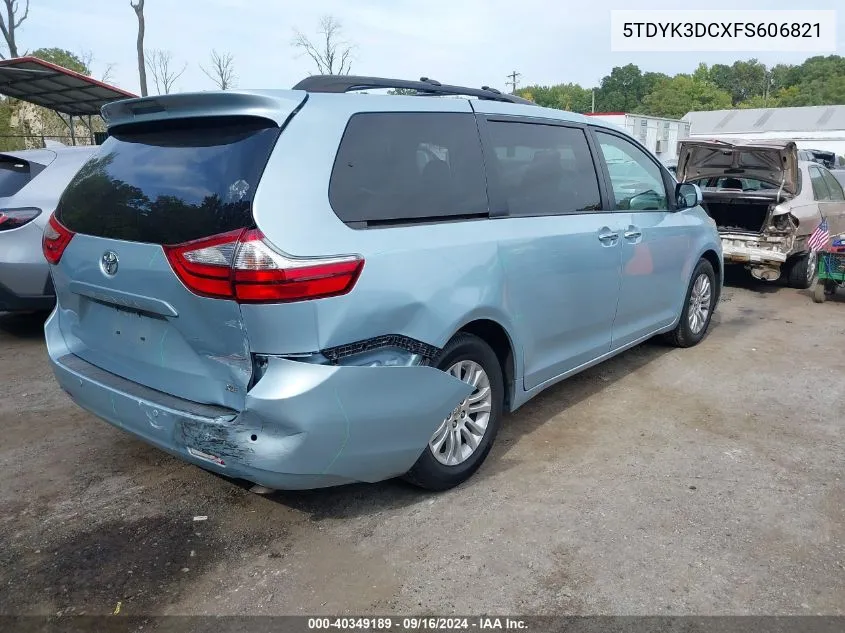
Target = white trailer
(658,134)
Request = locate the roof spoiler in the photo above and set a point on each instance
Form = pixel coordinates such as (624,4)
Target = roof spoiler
(276,106)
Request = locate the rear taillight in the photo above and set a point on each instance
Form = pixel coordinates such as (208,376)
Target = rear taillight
(243,266)
(55,240)
(14,218)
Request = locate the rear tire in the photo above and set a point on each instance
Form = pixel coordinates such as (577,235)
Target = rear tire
(693,324)
(430,471)
(819,293)
(802,271)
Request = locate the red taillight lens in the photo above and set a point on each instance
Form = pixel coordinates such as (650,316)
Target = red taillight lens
(14,218)
(205,266)
(55,240)
(241,265)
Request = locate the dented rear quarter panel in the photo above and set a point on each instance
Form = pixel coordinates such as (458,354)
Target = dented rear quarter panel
(422,281)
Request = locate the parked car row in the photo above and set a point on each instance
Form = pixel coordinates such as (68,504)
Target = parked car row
(306,288)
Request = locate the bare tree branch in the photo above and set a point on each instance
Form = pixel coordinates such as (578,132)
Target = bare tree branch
(25,12)
(87,59)
(108,73)
(222,70)
(160,64)
(332,55)
(138,6)
(10,22)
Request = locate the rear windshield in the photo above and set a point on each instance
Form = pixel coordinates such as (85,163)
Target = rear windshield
(14,175)
(171,183)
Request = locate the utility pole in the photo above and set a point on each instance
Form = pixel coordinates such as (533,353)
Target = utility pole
(512,81)
(593,107)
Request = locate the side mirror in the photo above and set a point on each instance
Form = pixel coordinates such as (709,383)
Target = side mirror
(688,195)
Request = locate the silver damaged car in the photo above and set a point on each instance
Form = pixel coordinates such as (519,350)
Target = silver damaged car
(31,182)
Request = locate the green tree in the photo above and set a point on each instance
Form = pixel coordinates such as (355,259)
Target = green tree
(621,91)
(760,101)
(651,81)
(702,73)
(749,80)
(63,58)
(819,68)
(782,76)
(570,96)
(681,94)
(574,98)
(721,75)
(830,91)
(8,137)
(742,80)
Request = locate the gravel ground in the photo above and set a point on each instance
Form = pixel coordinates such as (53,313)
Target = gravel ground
(663,482)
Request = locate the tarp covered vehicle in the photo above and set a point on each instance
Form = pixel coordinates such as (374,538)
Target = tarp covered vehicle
(765,202)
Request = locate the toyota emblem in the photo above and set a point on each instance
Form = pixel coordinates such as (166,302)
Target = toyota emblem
(109,263)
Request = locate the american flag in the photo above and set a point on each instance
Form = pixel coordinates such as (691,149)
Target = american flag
(820,236)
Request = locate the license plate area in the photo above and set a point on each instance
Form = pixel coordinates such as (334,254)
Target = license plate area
(122,330)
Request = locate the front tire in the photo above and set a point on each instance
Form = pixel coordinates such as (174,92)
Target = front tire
(819,293)
(462,441)
(698,309)
(802,271)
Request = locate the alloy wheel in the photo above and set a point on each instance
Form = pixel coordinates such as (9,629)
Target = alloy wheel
(699,303)
(460,434)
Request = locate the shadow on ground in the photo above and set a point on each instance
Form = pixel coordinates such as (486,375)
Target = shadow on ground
(738,277)
(363,499)
(24,325)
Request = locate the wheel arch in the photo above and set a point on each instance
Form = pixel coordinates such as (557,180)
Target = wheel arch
(499,339)
(711,256)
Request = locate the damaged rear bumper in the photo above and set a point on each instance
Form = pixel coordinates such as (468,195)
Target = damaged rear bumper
(303,425)
(756,249)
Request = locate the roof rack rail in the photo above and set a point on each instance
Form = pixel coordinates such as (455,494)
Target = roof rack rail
(426,86)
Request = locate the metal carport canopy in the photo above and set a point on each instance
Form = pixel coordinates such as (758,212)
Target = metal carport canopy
(54,87)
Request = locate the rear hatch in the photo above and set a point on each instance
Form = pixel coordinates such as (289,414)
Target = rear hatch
(155,184)
(775,163)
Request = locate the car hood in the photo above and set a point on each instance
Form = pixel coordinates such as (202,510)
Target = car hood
(772,162)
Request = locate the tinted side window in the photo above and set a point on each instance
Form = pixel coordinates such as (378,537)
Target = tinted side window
(820,190)
(544,169)
(637,180)
(14,174)
(833,186)
(395,167)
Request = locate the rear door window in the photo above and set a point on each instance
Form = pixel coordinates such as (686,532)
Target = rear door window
(833,186)
(401,167)
(170,182)
(543,169)
(820,190)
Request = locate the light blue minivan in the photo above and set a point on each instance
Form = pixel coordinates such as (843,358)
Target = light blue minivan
(311,287)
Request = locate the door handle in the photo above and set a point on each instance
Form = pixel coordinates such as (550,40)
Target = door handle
(608,237)
(633,233)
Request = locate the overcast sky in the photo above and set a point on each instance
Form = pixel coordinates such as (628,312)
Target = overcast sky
(469,42)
